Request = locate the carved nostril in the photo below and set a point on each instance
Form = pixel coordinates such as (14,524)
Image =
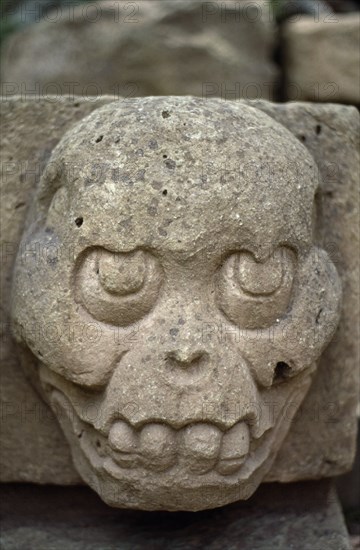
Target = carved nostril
(185,360)
(282,371)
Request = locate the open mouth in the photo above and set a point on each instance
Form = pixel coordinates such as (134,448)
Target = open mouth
(197,449)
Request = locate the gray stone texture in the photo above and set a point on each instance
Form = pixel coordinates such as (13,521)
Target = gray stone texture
(323,58)
(30,130)
(331,133)
(146,48)
(300,516)
(121,215)
(322,438)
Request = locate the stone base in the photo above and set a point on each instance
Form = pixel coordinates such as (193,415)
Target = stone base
(298,516)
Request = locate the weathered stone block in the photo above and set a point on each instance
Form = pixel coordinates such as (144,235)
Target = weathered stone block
(321,438)
(323,58)
(145,48)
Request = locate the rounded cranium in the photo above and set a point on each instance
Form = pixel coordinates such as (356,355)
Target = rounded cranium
(172,299)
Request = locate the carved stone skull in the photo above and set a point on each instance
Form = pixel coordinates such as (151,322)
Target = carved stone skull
(169,300)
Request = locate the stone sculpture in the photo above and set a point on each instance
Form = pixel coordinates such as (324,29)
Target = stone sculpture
(179,233)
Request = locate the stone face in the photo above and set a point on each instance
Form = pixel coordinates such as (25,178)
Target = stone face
(232,313)
(323,58)
(150,47)
(321,439)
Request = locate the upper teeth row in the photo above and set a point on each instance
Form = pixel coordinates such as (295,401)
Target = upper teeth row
(201,446)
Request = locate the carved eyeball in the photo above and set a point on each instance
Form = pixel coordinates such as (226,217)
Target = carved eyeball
(254,294)
(118,288)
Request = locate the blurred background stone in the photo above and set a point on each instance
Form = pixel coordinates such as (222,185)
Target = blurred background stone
(323,58)
(144,48)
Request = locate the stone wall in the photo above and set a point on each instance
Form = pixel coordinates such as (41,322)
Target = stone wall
(323,59)
(227,49)
(146,48)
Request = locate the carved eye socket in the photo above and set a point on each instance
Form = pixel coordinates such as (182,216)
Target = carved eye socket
(254,294)
(122,273)
(118,288)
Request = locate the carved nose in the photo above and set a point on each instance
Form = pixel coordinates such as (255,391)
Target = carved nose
(185,359)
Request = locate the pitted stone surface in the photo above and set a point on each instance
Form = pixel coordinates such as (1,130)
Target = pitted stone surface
(321,424)
(112,266)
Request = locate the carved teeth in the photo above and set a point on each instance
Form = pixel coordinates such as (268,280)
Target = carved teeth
(124,441)
(201,445)
(234,448)
(157,446)
(123,438)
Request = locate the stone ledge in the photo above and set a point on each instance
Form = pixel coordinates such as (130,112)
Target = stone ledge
(298,516)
